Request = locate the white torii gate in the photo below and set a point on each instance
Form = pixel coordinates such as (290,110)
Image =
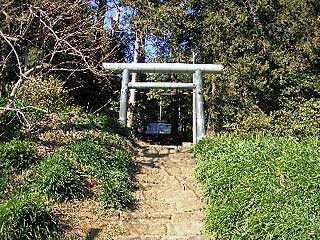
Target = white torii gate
(196,85)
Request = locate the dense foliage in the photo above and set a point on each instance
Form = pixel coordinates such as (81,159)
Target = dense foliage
(25,216)
(60,179)
(110,167)
(271,55)
(72,155)
(260,187)
(17,155)
(116,189)
(270,51)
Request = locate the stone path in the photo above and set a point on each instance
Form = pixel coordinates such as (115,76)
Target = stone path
(168,203)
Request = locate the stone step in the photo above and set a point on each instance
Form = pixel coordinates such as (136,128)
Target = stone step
(156,206)
(162,228)
(168,207)
(169,192)
(155,178)
(154,237)
(185,228)
(164,153)
(175,217)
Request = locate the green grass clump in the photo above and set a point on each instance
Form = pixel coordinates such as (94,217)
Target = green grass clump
(116,190)
(17,155)
(261,187)
(101,122)
(111,167)
(6,182)
(59,178)
(10,126)
(26,217)
(98,158)
(64,174)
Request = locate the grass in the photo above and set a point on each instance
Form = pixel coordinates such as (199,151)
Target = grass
(60,179)
(17,155)
(99,158)
(82,156)
(111,167)
(10,126)
(116,190)
(6,183)
(25,216)
(65,174)
(260,187)
(101,122)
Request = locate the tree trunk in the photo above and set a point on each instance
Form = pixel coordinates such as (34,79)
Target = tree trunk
(138,57)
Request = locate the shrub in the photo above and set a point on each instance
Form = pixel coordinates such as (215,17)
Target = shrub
(294,118)
(26,217)
(116,190)
(98,158)
(298,119)
(47,93)
(10,125)
(111,168)
(6,182)
(60,179)
(101,122)
(261,187)
(17,155)
(110,140)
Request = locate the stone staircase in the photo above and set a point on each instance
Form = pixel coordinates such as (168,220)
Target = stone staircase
(168,204)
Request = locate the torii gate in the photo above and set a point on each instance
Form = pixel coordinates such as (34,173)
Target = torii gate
(196,86)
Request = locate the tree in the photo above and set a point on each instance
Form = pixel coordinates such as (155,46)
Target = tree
(267,48)
(60,38)
(270,50)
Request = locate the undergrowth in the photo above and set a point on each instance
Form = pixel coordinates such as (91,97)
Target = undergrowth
(6,183)
(111,167)
(59,178)
(116,187)
(52,153)
(65,174)
(86,159)
(10,126)
(98,157)
(26,216)
(260,187)
(17,155)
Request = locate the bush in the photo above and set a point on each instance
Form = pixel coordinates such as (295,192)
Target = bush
(261,187)
(60,179)
(17,155)
(26,217)
(47,93)
(10,125)
(116,190)
(6,182)
(251,121)
(111,168)
(298,119)
(101,122)
(98,158)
